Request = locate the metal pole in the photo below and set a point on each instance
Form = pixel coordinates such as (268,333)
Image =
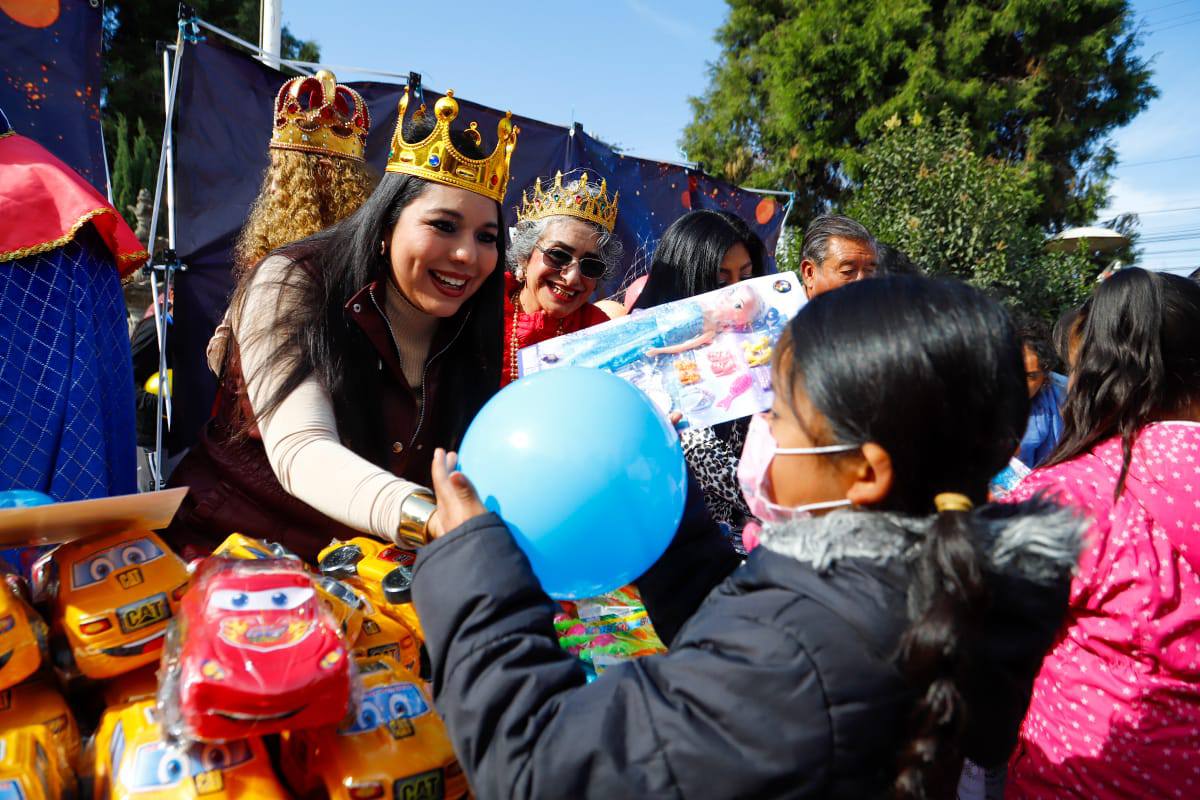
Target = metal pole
(270,31)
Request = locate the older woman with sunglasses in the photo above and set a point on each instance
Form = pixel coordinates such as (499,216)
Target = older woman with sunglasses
(562,246)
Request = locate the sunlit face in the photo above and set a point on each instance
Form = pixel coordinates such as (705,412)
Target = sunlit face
(1034,375)
(443,247)
(846,261)
(560,293)
(735,266)
(801,479)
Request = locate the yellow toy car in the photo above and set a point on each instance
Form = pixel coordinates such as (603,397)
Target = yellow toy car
(395,746)
(111,598)
(29,768)
(39,704)
(23,636)
(133,761)
(382,571)
(238,545)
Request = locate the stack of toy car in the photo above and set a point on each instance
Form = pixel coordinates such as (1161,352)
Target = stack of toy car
(249,677)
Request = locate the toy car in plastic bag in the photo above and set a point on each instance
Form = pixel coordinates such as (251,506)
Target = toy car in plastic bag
(238,545)
(23,635)
(254,651)
(29,768)
(382,571)
(394,746)
(110,599)
(134,760)
(38,703)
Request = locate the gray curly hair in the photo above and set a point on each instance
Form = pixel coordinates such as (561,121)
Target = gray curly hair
(527,234)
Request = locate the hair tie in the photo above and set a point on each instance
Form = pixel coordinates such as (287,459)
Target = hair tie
(952,501)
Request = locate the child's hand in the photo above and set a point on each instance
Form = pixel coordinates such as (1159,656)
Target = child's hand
(457,501)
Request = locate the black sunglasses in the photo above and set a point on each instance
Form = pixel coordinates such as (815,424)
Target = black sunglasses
(560,259)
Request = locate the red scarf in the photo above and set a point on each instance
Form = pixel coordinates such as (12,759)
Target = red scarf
(45,203)
(538,327)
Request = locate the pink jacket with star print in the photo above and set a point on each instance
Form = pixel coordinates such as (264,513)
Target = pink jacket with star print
(1116,706)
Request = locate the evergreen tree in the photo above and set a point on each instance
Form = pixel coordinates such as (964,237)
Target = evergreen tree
(802,85)
(145,159)
(124,190)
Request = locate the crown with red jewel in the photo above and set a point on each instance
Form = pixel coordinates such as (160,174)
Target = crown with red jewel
(435,158)
(577,199)
(314,114)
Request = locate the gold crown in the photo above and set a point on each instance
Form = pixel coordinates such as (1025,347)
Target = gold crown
(578,200)
(435,158)
(314,114)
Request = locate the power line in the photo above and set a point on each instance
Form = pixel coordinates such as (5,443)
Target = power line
(1166,5)
(1158,211)
(1173,26)
(1159,160)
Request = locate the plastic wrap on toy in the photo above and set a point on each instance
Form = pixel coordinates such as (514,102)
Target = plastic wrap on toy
(29,765)
(38,703)
(1008,478)
(707,357)
(135,759)
(239,545)
(392,745)
(608,629)
(23,635)
(253,651)
(383,574)
(110,599)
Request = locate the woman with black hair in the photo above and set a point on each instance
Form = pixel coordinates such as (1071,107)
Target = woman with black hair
(1116,707)
(355,350)
(857,653)
(702,251)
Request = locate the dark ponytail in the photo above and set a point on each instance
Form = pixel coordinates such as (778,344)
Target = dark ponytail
(1138,360)
(950,596)
(932,371)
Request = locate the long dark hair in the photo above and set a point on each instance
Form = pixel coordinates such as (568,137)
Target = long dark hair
(932,371)
(319,339)
(688,257)
(1138,361)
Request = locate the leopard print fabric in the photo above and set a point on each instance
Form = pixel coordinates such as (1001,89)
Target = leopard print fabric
(712,455)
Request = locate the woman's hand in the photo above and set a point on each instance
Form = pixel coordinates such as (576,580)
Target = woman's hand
(457,501)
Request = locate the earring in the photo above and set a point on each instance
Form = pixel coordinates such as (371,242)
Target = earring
(383,247)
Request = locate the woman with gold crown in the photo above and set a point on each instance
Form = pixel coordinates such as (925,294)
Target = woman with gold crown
(356,349)
(562,246)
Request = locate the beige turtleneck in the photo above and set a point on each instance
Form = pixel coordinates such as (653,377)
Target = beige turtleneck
(301,436)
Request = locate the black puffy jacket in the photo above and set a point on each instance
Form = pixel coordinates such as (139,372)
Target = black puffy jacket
(781,684)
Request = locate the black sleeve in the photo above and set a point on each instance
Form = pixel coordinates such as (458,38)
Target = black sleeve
(697,560)
(524,722)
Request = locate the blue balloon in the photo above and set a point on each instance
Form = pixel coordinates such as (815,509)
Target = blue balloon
(587,473)
(24,498)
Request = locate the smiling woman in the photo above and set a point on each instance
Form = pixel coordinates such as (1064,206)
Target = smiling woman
(357,349)
(562,247)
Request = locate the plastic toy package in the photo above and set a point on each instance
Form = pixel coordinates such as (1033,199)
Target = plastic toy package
(38,705)
(607,629)
(134,758)
(393,745)
(252,651)
(707,357)
(110,599)
(23,634)
(30,765)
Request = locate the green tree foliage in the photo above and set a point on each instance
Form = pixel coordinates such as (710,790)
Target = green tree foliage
(803,85)
(145,159)
(124,191)
(133,79)
(926,190)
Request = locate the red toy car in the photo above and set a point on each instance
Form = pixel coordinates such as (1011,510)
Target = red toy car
(254,652)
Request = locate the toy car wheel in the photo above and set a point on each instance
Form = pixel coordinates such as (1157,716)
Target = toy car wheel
(341,562)
(397,585)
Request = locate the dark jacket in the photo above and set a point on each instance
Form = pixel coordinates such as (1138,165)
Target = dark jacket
(232,485)
(782,684)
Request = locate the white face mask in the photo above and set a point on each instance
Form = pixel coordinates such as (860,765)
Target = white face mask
(753,474)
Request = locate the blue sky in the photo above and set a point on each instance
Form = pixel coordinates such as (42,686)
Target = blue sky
(625,69)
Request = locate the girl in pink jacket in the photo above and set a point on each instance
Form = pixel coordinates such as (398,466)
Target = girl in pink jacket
(1116,707)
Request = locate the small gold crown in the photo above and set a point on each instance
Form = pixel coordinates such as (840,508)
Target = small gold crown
(316,115)
(435,158)
(577,200)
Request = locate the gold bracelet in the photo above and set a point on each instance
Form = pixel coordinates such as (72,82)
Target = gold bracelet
(415,511)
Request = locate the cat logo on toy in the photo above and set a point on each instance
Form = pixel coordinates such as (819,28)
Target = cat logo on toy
(111,597)
(393,746)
